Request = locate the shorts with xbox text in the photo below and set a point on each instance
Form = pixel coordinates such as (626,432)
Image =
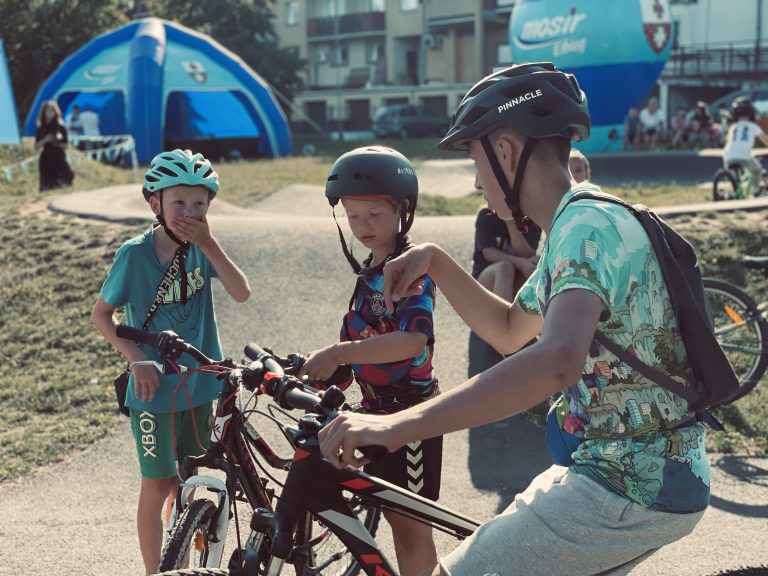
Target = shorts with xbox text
(162,439)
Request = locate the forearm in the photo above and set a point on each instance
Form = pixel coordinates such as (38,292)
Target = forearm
(230,275)
(106,325)
(489,316)
(392,347)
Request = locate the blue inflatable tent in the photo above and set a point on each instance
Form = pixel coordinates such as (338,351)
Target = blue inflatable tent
(169,87)
(9,125)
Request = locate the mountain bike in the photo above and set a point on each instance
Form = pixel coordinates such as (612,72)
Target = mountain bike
(205,503)
(316,504)
(741,326)
(734,182)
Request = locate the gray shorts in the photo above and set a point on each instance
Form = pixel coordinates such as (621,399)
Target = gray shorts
(567,523)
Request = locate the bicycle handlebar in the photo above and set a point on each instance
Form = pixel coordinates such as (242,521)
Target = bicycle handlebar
(267,373)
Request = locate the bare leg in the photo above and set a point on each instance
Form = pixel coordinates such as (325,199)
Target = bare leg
(499,278)
(149,519)
(414,546)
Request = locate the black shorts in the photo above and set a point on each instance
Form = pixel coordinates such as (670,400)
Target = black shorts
(416,467)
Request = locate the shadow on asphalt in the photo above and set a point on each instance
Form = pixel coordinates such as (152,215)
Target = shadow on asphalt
(741,469)
(504,456)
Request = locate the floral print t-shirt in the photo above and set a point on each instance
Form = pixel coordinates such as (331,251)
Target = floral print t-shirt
(632,441)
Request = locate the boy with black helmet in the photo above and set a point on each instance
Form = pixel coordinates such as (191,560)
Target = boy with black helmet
(179,187)
(389,352)
(639,476)
(740,140)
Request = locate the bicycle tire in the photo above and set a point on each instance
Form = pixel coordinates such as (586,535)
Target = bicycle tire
(195,572)
(747,346)
(724,186)
(321,552)
(194,519)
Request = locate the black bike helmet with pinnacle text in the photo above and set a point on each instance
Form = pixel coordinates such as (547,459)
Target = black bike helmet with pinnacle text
(536,100)
(743,107)
(179,167)
(373,171)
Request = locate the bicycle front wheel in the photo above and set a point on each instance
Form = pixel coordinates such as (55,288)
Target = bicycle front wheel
(741,331)
(319,551)
(724,186)
(187,542)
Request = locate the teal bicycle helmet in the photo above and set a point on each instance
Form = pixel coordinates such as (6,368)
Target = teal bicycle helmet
(179,167)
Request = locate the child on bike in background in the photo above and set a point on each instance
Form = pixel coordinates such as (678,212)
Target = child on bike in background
(741,139)
(179,187)
(390,353)
(638,478)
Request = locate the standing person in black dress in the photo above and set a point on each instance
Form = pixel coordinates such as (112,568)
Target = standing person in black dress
(51,137)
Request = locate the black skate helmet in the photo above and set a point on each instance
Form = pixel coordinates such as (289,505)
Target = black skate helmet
(374,172)
(743,107)
(537,100)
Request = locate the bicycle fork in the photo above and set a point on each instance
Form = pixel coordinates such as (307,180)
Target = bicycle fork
(217,536)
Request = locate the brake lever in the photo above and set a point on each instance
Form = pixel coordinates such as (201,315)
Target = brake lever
(159,367)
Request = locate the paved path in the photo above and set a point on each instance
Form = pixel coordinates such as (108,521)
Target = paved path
(78,517)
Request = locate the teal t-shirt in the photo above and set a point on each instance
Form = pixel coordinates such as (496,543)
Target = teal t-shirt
(624,419)
(132,284)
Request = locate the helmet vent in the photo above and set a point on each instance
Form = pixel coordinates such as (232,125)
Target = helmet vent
(473,115)
(333,177)
(166,171)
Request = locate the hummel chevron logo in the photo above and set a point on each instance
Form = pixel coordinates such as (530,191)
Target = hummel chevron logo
(415,473)
(416,487)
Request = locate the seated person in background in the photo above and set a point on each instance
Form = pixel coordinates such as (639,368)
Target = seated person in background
(651,124)
(678,127)
(702,126)
(631,132)
(741,139)
(504,257)
(579,166)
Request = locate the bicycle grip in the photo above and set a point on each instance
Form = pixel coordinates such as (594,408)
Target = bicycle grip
(374,453)
(256,352)
(136,334)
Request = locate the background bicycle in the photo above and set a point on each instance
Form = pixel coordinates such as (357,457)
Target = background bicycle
(233,466)
(741,326)
(735,183)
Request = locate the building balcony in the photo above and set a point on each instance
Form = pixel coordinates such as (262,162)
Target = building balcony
(346,24)
(718,62)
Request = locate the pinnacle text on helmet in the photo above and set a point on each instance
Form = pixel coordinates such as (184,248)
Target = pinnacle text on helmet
(519,100)
(409,171)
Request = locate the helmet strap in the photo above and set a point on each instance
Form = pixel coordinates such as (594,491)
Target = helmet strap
(511,194)
(351,259)
(182,251)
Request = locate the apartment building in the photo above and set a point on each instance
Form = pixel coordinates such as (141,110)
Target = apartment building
(364,54)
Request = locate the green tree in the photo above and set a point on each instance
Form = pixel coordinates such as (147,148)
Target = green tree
(39,35)
(246,28)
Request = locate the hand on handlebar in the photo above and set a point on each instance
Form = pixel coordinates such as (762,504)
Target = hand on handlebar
(341,438)
(320,365)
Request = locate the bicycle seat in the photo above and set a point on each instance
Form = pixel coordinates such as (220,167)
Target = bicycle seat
(759,262)
(735,166)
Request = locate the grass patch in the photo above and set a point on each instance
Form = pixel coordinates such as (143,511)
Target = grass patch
(56,372)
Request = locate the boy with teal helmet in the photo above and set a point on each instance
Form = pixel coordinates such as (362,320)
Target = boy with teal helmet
(179,187)
(389,353)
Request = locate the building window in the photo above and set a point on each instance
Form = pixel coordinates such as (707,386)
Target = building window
(341,55)
(378,6)
(291,12)
(408,5)
(374,51)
